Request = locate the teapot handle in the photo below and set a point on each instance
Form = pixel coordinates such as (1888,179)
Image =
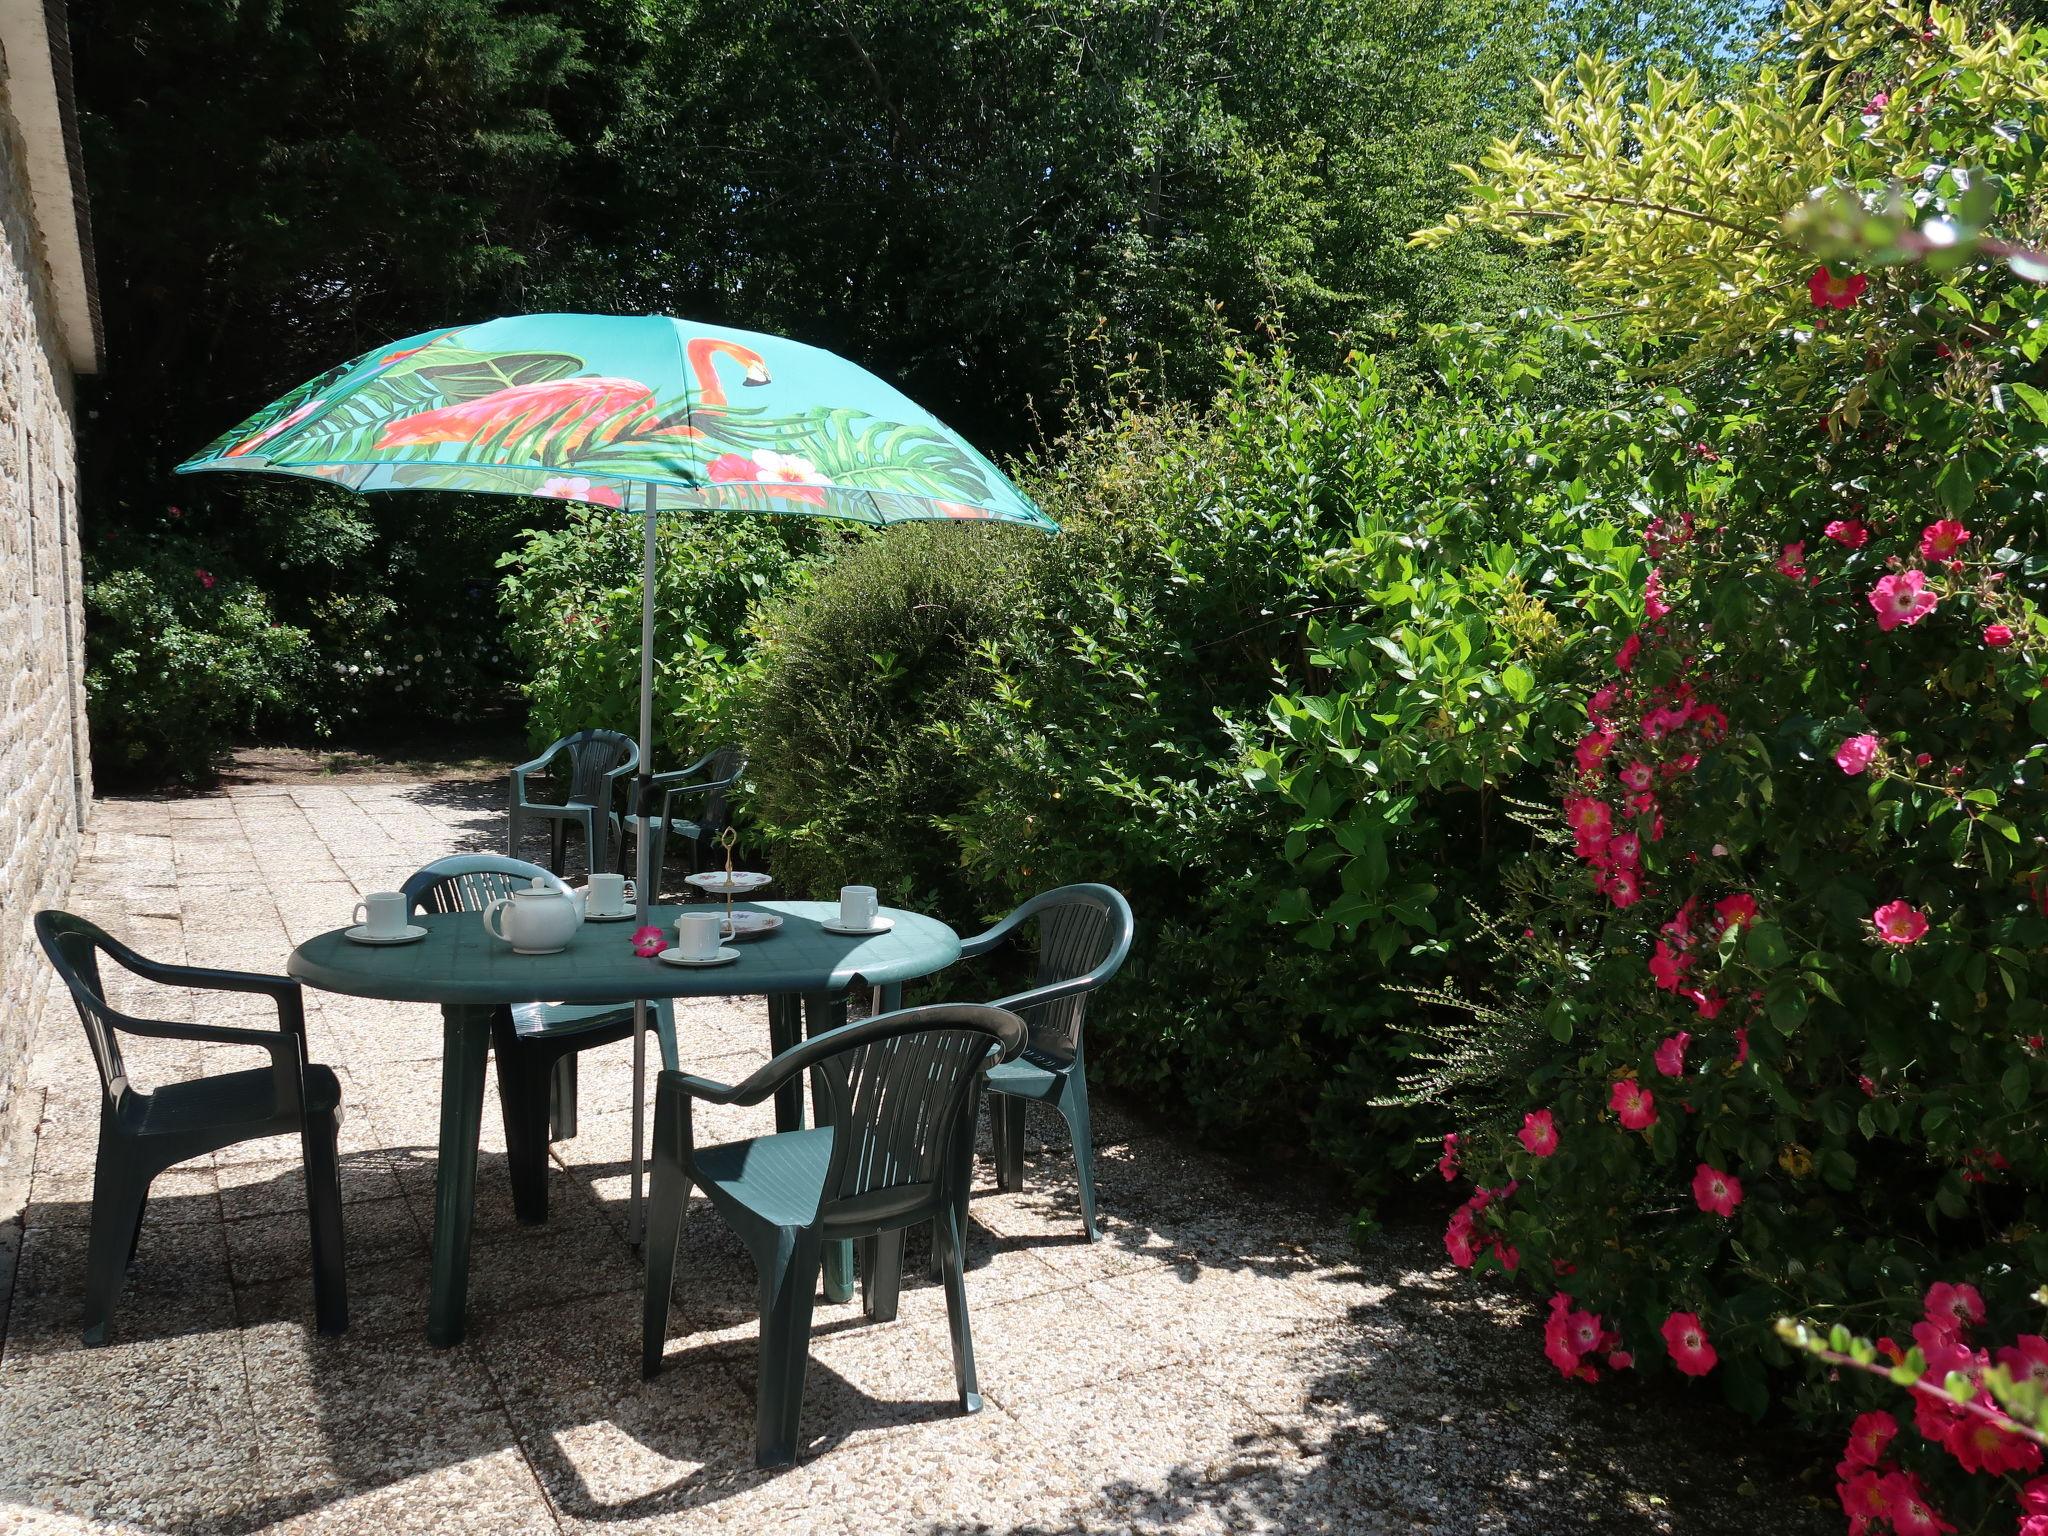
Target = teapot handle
(490,913)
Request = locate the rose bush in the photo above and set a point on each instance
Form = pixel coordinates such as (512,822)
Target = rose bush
(1774,1042)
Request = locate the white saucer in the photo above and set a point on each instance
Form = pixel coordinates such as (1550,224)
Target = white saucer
(675,957)
(362,935)
(608,917)
(751,925)
(882,925)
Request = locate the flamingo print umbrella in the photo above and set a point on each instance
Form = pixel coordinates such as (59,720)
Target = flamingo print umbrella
(643,413)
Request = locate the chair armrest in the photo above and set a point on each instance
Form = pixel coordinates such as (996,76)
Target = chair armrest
(625,771)
(289,996)
(982,943)
(676,776)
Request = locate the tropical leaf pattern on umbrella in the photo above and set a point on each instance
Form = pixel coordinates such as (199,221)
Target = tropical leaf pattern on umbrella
(632,408)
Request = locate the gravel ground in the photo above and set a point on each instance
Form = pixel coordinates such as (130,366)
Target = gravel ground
(1224,1360)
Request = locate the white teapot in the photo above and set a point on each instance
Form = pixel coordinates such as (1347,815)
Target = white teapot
(537,921)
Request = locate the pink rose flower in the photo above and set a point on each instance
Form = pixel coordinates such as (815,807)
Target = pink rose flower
(1791,561)
(1716,1191)
(1671,1055)
(1592,750)
(1447,1165)
(1539,1133)
(1458,1238)
(205,577)
(1830,292)
(1907,1508)
(1625,658)
(1668,967)
(1637,776)
(2027,1358)
(1869,1437)
(1855,753)
(1741,1044)
(1997,635)
(1635,1104)
(1898,923)
(1953,1308)
(1685,1337)
(1849,532)
(1940,540)
(1735,911)
(1902,598)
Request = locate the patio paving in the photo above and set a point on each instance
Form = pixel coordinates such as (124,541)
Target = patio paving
(1225,1359)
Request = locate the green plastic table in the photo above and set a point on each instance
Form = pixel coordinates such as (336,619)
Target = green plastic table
(803,971)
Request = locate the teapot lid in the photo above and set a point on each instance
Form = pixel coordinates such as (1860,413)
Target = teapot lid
(540,884)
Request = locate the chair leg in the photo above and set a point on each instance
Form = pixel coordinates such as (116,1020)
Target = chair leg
(667,1199)
(562,1099)
(558,843)
(953,1260)
(881,1275)
(597,842)
(515,825)
(1006,1128)
(789,1286)
(120,1190)
(321,1141)
(1073,1106)
(523,1088)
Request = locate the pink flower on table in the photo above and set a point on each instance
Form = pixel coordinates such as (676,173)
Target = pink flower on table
(1899,923)
(1716,1191)
(1902,598)
(1625,658)
(1869,1437)
(1830,292)
(1538,1133)
(1942,539)
(1791,560)
(1907,1508)
(1953,1308)
(1997,635)
(1685,1337)
(1635,1104)
(1671,1055)
(649,941)
(1855,753)
(1849,532)
(1592,750)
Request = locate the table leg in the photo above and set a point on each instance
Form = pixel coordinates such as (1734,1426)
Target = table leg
(785,1029)
(823,1011)
(465,1047)
(889,998)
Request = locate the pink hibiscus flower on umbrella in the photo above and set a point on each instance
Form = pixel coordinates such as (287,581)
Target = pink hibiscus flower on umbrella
(791,475)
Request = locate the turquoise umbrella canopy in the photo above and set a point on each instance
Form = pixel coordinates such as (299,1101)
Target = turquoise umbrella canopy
(639,412)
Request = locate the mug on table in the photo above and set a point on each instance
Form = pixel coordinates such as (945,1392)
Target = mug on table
(698,933)
(859,906)
(607,895)
(381,914)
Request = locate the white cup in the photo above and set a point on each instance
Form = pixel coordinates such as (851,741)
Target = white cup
(858,906)
(698,933)
(607,895)
(381,914)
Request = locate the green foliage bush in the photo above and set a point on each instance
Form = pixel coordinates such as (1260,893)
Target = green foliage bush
(1770,1038)
(571,596)
(966,715)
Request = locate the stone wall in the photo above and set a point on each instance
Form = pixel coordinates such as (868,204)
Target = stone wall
(45,772)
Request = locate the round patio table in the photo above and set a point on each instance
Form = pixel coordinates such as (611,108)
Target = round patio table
(804,972)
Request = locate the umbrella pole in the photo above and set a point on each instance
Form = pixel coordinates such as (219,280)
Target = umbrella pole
(643,891)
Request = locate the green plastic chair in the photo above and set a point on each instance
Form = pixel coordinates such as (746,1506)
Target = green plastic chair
(536,1044)
(710,776)
(1084,934)
(597,761)
(897,1097)
(142,1134)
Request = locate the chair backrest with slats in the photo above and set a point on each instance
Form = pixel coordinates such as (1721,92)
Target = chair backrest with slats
(73,945)
(592,755)
(1080,927)
(896,1098)
(469,882)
